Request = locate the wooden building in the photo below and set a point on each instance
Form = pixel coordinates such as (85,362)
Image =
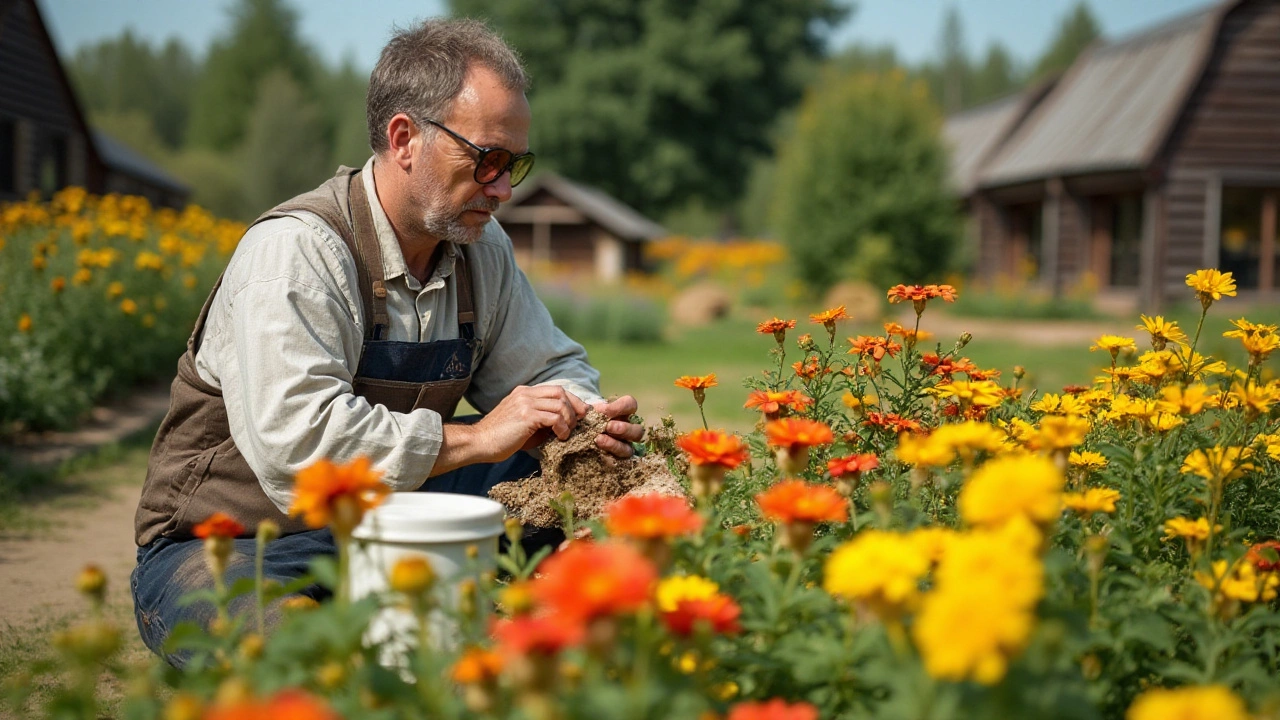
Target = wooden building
(1152,156)
(556,222)
(45,142)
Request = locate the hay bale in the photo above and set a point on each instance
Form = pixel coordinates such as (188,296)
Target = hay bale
(700,304)
(861,301)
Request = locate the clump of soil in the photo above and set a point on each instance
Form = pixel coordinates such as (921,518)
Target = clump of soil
(594,477)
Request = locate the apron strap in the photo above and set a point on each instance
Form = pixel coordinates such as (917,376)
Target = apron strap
(369,260)
(466,298)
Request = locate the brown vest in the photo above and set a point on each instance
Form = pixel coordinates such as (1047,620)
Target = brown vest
(195,468)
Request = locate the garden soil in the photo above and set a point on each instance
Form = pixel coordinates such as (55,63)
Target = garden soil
(592,476)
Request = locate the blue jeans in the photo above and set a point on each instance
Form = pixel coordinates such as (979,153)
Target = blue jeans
(169,569)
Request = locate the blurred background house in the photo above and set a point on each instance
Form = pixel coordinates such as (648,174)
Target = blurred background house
(45,142)
(1150,157)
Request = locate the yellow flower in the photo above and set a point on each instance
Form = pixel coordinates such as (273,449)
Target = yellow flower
(854,403)
(1053,404)
(674,589)
(83,276)
(1091,501)
(1219,463)
(1060,432)
(880,570)
(128,306)
(411,575)
(24,323)
(1162,331)
(1015,486)
(1211,285)
(1188,529)
(1113,344)
(1087,460)
(1211,702)
(979,393)
(115,289)
(1260,346)
(1239,582)
(932,541)
(1245,329)
(146,260)
(1164,422)
(1183,401)
(921,451)
(1199,365)
(189,281)
(968,438)
(1254,399)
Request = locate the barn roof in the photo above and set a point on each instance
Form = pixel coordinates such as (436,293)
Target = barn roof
(607,211)
(973,135)
(1111,111)
(122,159)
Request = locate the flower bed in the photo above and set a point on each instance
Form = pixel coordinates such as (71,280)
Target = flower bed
(903,536)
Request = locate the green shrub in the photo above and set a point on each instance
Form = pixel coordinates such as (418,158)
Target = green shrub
(607,316)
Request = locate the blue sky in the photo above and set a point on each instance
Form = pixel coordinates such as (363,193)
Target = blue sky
(350,29)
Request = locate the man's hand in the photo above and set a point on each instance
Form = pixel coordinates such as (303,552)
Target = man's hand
(619,432)
(523,420)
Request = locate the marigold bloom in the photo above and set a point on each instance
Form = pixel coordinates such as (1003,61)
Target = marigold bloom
(1162,331)
(772,403)
(1113,344)
(892,421)
(1239,581)
(476,665)
(968,438)
(809,368)
(128,306)
(687,600)
(1260,346)
(673,589)
(920,451)
(791,433)
(777,328)
(1015,486)
(1093,500)
(713,447)
(536,634)
(652,516)
(1245,329)
(852,464)
(1264,556)
(696,382)
(1087,460)
(1254,399)
(1211,285)
(115,289)
(338,495)
(880,570)
(1219,463)
(1188,529)
(589,580)
(828,318)
(793,501)
(411,575)
(984,393)
(291,704)
(219,524)
(1212,702)
(24,323)
(58,284)
(775,709)
(874,347)
(1190,400)
(919,295)
(1059,432)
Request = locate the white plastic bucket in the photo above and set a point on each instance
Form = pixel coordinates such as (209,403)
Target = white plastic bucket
(439,527)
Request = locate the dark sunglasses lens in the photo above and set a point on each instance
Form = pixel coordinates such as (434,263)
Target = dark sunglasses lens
(492,164)
(520,170)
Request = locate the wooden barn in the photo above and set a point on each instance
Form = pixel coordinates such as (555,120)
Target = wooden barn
(45,142)
(1152,156)
(556,222)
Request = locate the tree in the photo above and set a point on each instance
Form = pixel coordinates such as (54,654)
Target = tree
(125,75)
(263,39)
(284,151)
(953,62)
(861,184)
(660,102)
(1078,30)
(996,76)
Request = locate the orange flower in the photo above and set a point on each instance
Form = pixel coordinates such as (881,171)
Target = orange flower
(809,368)
(772,403)
(291,704)
(796,501)
(776,327)
(713,447)
(589,580)
(476,665)
(947,366)
(24,323)
(775,709)
(219,524)
(696,382)
(792,432)
(828,318)
(719,613)
(919,295)
(852,464)
(1265,556)
(876,347)
(337,495)
(651,516)
(892,421)
(536,634)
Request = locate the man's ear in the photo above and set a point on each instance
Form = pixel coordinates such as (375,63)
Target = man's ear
(403,138)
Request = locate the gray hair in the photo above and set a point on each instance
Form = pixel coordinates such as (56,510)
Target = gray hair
(422,68)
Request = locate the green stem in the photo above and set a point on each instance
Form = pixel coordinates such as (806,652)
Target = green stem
(1191,355)
(259,590)
(704,417)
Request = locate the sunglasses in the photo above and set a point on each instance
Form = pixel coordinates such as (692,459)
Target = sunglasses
(491,163)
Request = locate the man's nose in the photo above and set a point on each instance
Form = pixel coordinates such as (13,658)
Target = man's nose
(500,188)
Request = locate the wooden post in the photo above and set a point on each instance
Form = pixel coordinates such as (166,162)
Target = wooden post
(1051,235)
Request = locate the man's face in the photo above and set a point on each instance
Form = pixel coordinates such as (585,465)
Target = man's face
(452,205)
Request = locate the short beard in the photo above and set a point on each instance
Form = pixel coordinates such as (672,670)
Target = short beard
(443,224)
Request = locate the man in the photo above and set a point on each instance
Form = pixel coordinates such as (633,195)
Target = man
(351,320)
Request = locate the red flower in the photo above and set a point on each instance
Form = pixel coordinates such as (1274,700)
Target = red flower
(713,447)
(536,634)
(852,464)
(797,501)
(947,366)
(791,433)
(651,516)
(1075,389)
(1265,556)
(719,612)
(589,580)
(876,347)
(221,525)
(892,421)
(771,403)
(976,374)
(775,709)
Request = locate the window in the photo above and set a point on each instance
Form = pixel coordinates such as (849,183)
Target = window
(51,164)
(1247,214)
(8,156)
(1126,241)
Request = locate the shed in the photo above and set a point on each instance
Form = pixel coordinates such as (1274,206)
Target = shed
(1152,156)
(558,222)
(45,142)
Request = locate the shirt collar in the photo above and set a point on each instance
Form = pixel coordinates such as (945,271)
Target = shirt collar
(393,264)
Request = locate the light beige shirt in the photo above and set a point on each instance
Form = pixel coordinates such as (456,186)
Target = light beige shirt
(284,336)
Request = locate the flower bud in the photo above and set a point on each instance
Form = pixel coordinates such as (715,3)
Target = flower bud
(268,530)
(92,582)
(251,646)
(965,338)
(412,575)
(514,530)
(1019,372)
(473,552)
